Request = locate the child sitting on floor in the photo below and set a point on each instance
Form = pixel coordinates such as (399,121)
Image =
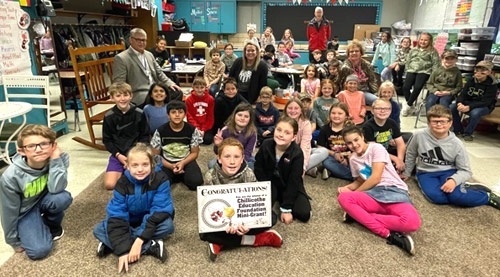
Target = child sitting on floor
(123,126)
(266,115)
(178,143)
(354,99)
(443,166)
(325,100)
(232,169)
(383,130)
(240,125)
(156,107)
(200,109)
(378,199)
(140,214)
(330,137)
(32,193)
(387,91)
(281,161)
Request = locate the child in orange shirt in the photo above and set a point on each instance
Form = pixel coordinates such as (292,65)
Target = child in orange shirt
(354,99)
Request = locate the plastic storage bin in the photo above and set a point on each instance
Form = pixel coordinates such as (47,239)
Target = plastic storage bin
(471,52)
(483,31)
(468,67)
(476,36)
(469,61)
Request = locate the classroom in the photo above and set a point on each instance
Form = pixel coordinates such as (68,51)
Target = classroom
(249,137)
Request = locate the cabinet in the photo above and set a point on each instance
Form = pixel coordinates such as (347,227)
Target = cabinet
(212,16)
(189,52)
(467,61)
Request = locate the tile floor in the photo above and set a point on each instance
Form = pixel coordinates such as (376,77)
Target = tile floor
(86,163)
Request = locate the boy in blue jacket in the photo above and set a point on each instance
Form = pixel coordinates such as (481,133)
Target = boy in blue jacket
(266,115)
(140,214)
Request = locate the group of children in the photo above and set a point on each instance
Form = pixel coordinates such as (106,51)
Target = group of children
(155,147)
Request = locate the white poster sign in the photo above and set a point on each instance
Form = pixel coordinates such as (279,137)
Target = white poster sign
(14,40)
(221,206)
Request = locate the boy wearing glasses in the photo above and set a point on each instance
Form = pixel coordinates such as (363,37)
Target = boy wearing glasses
(266,115)
(384,130)
(477,99)
(443,166)
(32,193)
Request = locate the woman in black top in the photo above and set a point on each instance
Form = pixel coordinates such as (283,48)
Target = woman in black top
(250,72)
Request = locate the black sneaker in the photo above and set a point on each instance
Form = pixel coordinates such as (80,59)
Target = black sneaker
(476,186)
(57,235)
(157,250)
(402,241)
(348,219)
(103,250)
(494,200)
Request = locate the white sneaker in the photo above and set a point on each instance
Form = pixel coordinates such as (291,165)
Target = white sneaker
(406,109)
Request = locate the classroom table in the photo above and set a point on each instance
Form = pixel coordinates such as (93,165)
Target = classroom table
(292,71)
(185,71)
(9,110)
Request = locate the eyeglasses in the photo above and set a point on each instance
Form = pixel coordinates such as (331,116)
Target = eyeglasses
(140,40)
(439,122)
(43,145)
(354,51)
(382,109)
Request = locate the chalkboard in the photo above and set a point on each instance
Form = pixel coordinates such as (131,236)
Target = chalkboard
(343,18)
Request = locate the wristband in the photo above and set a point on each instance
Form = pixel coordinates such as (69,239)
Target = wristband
(283,210)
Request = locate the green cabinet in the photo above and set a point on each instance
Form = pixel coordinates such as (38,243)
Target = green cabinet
(212,16)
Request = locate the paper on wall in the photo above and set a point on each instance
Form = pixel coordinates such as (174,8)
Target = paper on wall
(14,41)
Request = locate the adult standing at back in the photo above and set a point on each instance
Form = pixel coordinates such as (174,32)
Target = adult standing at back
(318,33)
(250,72)
(138,67)
(355,64)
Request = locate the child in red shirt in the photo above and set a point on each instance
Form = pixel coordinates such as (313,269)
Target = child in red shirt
(200,109)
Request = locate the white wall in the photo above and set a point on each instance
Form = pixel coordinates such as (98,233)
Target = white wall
(439,14)
(248,12)
(394,10)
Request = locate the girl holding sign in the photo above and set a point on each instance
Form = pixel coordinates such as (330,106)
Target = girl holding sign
(281,161)
(232,169)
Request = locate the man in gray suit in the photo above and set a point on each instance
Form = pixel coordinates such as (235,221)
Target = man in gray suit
(138,68)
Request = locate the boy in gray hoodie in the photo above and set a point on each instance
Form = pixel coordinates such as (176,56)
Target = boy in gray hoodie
(32,193)
(443,166)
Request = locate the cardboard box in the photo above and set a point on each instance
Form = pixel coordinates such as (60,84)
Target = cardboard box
(183,43)
(362,31)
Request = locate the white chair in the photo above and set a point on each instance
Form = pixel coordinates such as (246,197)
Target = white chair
(17,82)
(38,100)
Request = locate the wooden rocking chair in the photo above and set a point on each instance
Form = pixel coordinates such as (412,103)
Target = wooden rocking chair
(95,93)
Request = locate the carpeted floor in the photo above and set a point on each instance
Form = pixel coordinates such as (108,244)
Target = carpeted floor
(451,242)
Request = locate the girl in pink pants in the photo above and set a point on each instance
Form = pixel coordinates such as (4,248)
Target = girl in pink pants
(378,198)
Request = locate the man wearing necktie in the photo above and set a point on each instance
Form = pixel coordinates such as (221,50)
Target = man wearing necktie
(137,67)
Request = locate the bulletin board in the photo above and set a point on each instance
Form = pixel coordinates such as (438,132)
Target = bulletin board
(281,16)
(14,40)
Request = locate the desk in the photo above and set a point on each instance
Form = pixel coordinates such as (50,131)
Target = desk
(71,78)
(9,110)
(293,70)
(185,71)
